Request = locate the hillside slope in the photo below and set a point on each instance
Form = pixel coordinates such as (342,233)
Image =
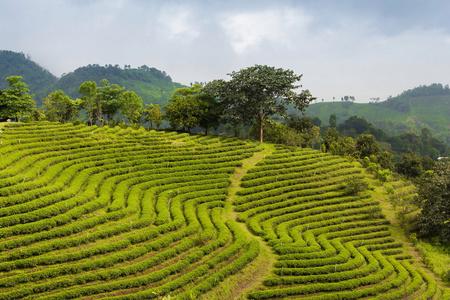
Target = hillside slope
(135,214)
(39,79)
(153,85)
(406,112)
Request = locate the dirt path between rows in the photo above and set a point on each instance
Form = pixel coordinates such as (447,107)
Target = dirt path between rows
(252,276)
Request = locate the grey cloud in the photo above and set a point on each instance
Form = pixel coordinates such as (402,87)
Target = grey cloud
(363,48)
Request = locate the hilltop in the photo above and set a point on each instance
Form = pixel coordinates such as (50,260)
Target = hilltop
(153,85)
(38,78)
(412,110)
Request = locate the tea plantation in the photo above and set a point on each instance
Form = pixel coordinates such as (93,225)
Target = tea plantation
(99,212)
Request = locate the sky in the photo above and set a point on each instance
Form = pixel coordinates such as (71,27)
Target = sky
(361,48)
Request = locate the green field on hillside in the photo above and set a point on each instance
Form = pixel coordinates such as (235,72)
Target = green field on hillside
(99,212)
(413,114)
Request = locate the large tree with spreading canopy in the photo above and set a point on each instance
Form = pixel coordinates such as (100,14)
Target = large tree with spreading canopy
(255,93)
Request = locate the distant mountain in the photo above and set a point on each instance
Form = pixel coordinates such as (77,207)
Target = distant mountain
(153,85)
(38,79)
(412,110)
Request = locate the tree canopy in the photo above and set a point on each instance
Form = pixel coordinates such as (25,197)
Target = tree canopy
(61,108)
(131,106)
(109,96)
(255,93)
(88,90)
(153,115)
(434,200)
(15,100)
(184,109)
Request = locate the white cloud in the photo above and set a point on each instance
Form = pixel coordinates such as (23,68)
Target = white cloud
(178,22)
(251,29)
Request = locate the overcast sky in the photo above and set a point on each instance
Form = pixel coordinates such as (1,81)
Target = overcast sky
(361,48)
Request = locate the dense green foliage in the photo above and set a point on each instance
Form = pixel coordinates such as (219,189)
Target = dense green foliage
(153,115)
(15,100)
(422,143)
(103,103)
(194,106)
(153,85)
(185,109)
(39,79)
(422,107)
(297,132)
(408,153)
(131,106)
(434,201)
(256,93)
(61,108)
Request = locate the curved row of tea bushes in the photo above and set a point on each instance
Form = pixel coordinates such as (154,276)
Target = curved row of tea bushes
(329,244)
(117,213)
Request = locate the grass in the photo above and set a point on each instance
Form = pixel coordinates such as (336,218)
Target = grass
(436,257)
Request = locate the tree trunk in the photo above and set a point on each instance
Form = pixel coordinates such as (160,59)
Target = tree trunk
(98,114)
(206,130)
(261,129)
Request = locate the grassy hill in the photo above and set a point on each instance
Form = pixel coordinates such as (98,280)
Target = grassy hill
(39,79)
(134,214)
(153,85)
(410,111)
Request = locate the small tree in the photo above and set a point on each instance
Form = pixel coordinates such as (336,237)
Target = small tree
(332,121)
(366,145)
(211,112)
(434,201)
(109,96)
(354,186)
(213,107)
(153,115)
(88,90)
(184,109)
(131,106)
(60,108)
(410,165)
(276,132)
(255,93)
(16,101)
(343,146)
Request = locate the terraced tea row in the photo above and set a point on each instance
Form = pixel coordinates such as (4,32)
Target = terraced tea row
(118,213)
(330,243)
(90,212)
